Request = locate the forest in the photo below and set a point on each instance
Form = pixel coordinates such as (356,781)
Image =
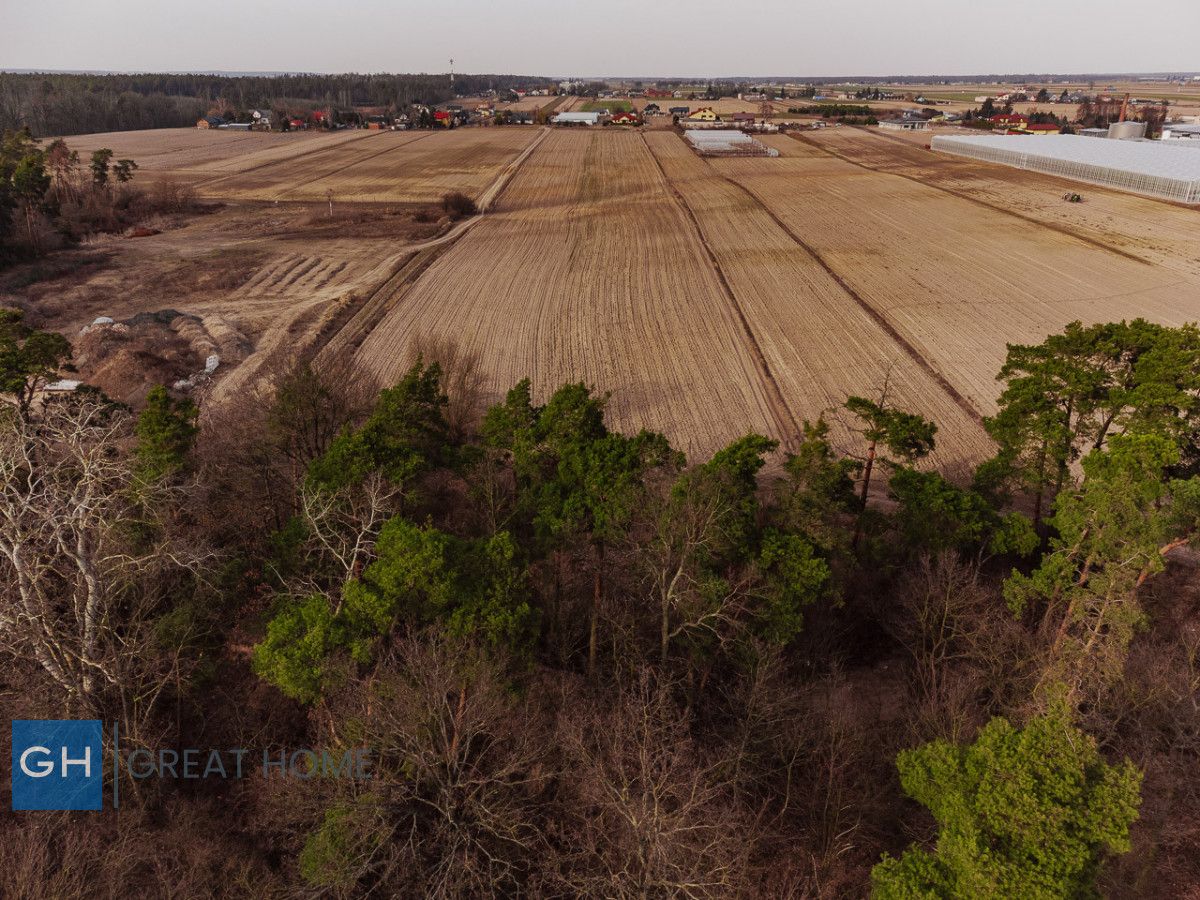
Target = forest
(55,104)
(588,666)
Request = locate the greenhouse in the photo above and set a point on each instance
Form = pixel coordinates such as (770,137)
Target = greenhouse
(726,142)
(1153,168)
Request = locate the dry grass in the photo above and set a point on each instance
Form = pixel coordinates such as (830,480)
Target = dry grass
(355,165)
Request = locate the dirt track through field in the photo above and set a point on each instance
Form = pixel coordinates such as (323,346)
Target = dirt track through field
(962,195)
(785,422)
(589,271)
(879,318)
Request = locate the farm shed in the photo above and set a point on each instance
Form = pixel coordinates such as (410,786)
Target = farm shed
(904,124)
(680,110)
(1141,167)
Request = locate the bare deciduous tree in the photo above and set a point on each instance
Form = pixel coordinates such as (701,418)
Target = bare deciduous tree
(85,561)
(655,816)
(463,379)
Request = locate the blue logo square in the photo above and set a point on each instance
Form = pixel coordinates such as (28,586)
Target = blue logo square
(57,764)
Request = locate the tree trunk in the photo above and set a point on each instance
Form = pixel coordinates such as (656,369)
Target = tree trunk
(866,486)
(665,635)
(594,617)
(1041,490)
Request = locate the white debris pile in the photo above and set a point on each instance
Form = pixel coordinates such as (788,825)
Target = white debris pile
(210,367)
(106,322)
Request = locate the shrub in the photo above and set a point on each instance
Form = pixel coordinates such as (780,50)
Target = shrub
(458,205)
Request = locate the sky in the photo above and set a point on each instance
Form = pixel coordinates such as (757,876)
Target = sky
(617,37)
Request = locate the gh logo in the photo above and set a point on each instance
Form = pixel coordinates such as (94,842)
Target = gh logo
(57,764)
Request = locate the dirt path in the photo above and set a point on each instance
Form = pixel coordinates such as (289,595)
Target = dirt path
(963,195)
(876,316)
(349,329)
(785,422)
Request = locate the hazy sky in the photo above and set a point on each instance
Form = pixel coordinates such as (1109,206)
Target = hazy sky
(647,37)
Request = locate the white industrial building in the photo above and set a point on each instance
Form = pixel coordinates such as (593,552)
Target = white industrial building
(904,124)
(577,118)
(1180,131)
(1151,168)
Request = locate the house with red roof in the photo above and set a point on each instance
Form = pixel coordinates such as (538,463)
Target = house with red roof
(1043,128)
(1009,120)
(625,118)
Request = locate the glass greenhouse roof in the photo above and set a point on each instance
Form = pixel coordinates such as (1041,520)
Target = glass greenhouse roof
(1167,170)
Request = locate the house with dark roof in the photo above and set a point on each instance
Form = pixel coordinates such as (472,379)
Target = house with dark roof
(681,111)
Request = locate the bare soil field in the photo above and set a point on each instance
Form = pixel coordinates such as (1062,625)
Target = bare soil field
(955,279)
(1162,233)
(355,165)
(590,271)
(711,297)
(818,341)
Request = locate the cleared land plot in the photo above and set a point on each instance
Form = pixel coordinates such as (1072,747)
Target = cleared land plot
(590,271)
(818,342)
(404,166)
(357,165)
(1162,233)
(194,155)
(955,279)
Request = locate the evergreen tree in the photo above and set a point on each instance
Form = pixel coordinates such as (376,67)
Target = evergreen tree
(166,430)
(1029,812)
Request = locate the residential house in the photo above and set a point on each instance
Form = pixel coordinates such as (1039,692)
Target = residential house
(704,114)
(680,111)
(626,118)
(1009,120)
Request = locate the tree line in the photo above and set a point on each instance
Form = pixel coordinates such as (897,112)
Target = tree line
(592,666)
(54,104)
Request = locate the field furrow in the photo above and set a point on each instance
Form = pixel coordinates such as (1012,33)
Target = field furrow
(589,271)
(819,343)
(955,279)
